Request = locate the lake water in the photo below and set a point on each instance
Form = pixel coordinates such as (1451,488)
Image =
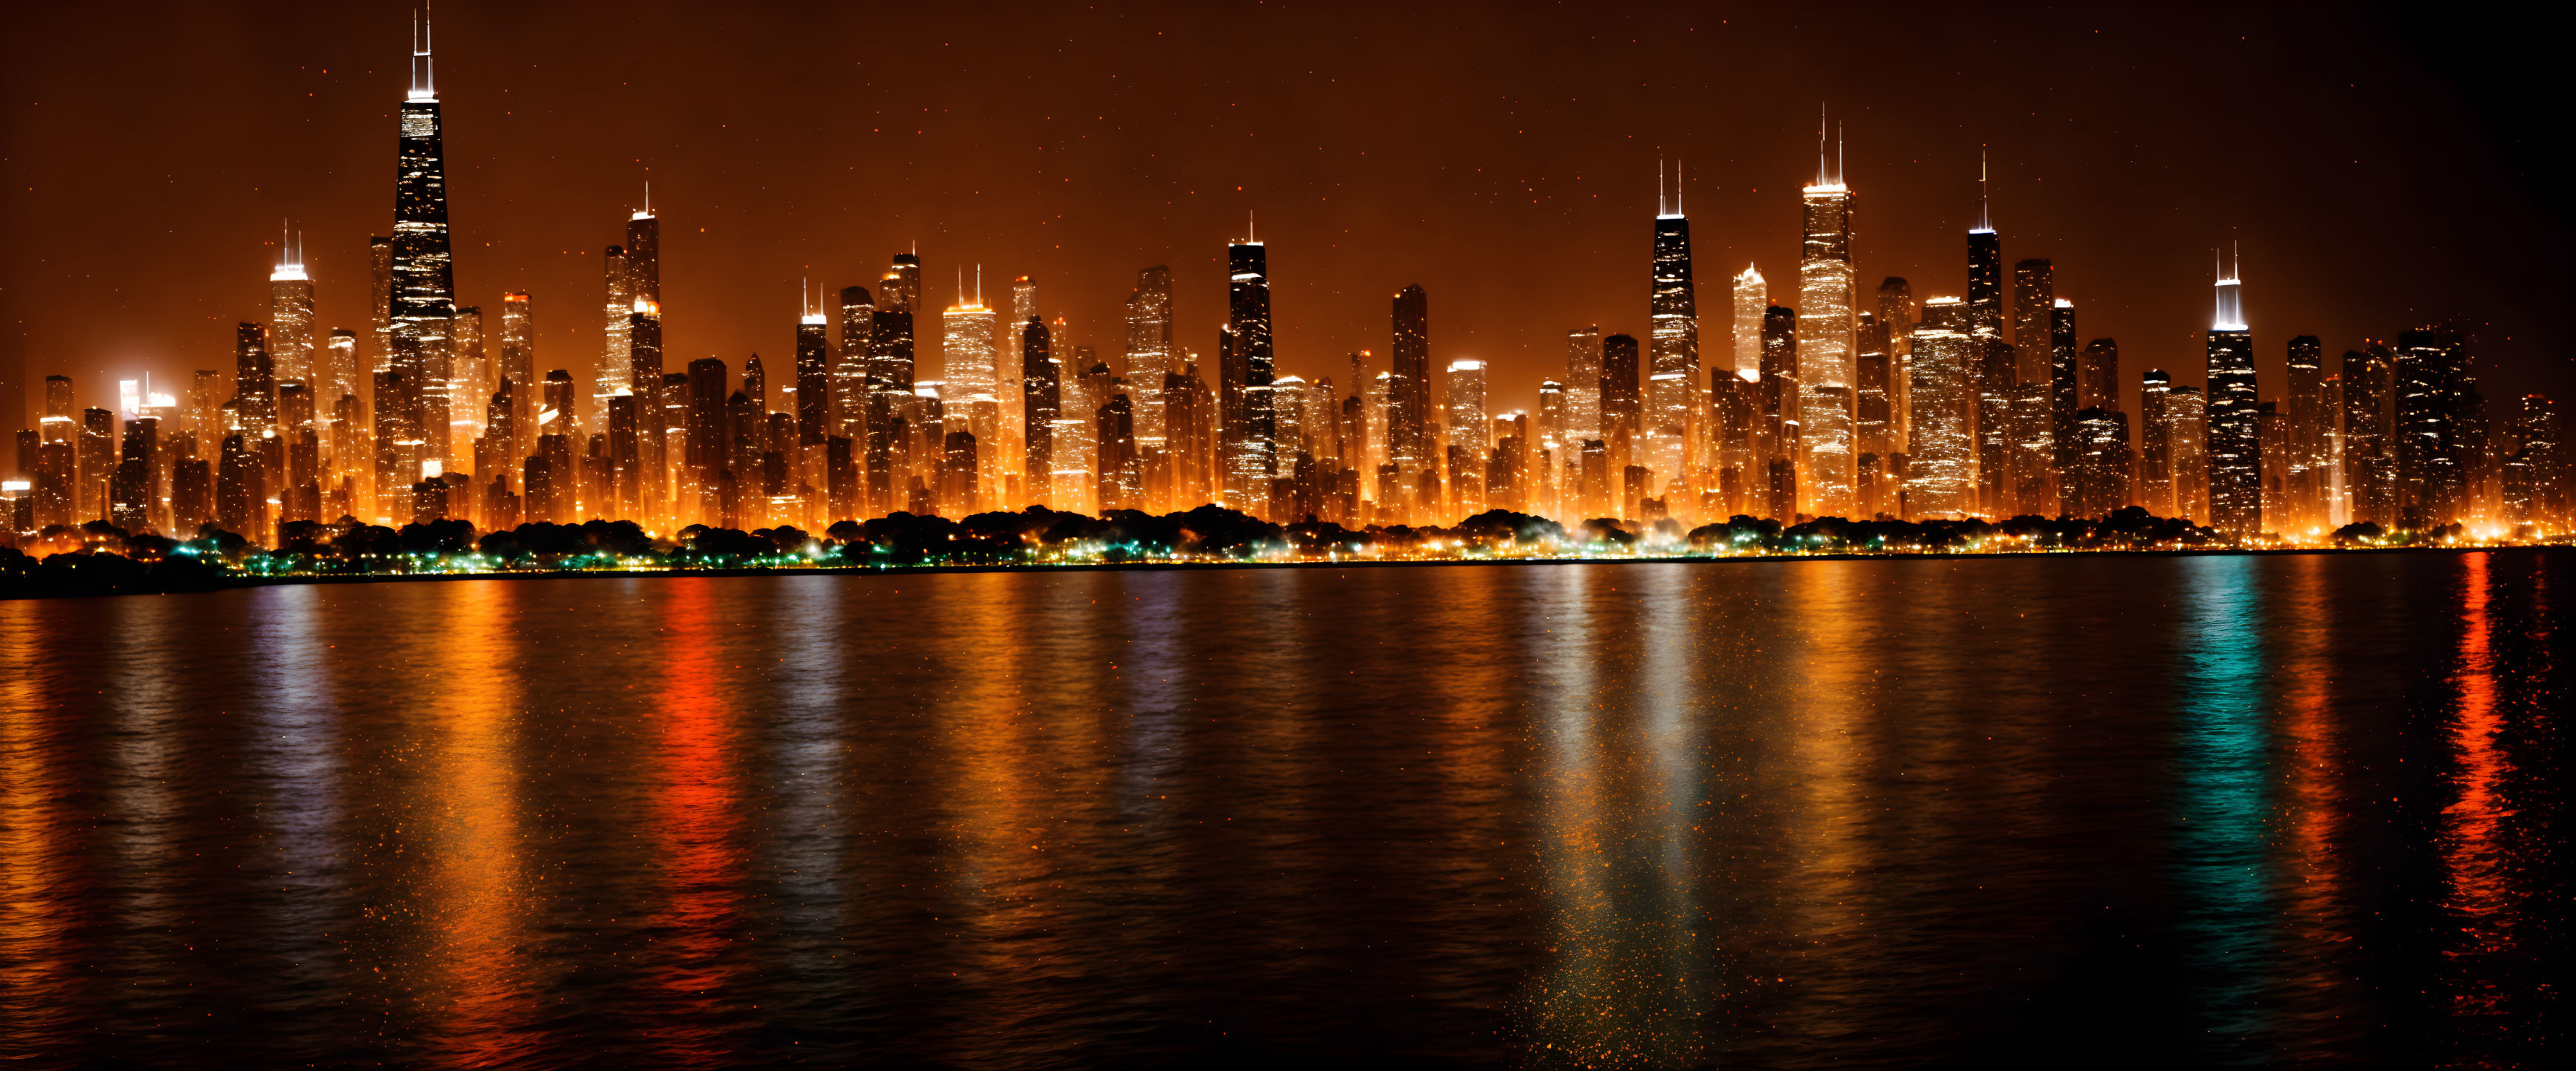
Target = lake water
(2090,810)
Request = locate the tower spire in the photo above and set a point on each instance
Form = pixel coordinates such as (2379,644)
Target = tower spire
(1985,218)
(1251,234)
(1677,187)
(1663,199)
(1823,177)
(424,81)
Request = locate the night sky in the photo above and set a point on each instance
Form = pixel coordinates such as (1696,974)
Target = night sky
(2374,166)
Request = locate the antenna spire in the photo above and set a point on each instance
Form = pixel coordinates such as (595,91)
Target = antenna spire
(424,81)
(1822,176)
(1677,187)
(1663,205)
(1251,235)
(1838,154)
(1985,216)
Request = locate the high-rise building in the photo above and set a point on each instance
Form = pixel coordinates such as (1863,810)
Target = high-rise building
(616,356)
(2434,445)
(1468,427)
(2369,434)
(1827,302)
(1985,266)
(973,379)
(1408,390)
(1673,406)
(2034,294)
(1041,405)
(2155,443)
(1254,460)
(814,428)
(254,377)
(1752,303)
(1583,383)
(1776,435)
(2304,469)
(1941,462)
(1896,313)
(2065,395)
(1622,408)
(424,280)
(849,406)
(1150,353)
(2235,419)
(290,316)
(380,323)
(2535,475)
(519,367)
(2100,375)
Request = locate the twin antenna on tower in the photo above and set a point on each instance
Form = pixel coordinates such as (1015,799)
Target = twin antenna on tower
(1663,207)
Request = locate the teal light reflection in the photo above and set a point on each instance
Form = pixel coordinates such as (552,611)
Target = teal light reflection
(2221,842)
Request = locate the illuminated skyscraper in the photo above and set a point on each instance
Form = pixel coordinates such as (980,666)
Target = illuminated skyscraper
(973,382)
(2065,395)
(2369,434)
(424,280)
(1408,389)
(339,371)
(290,317)
(1150,354)
(1752,303)
(1622,410)
(1826,341)
(2187,436)
(1673,413)
(1896,313)
(254,378)
(644,252)
(1776,434)
(1583,383)
(2434,447)
(616,356)
(1041,405)
(2099,375)
(2235,419)
(1254,461)
(2304,470)
(1985,266)
(519,366)
(2155,443)
(1468,427)
(1941,469)
(813,379)
(380,324)
(849,406)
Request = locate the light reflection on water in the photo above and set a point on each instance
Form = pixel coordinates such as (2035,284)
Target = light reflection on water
(2158,811)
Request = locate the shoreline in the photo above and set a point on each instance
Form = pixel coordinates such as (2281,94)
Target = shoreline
(1168,566)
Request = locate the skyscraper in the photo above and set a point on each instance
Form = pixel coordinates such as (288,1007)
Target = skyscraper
(1622,409)
(1673,407)
(814,428)
(849,408)
(2065,394)
(1150,355)
(1941,467)
(1985,266)
(254,378)
(290,317)
(1254,461)
(2433,446)
(2303,407)
(2187,437)
(519,367)
(616,355)
(2155,443)
(1041,405)
(1776,434)
(2235,419)
(1752,302)
(424,281)
(1583,383)
(2369,434)
(1408,391)
(1827,300)
(380,323)
(1896,313)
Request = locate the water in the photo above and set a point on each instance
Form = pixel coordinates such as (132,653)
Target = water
(2089,810)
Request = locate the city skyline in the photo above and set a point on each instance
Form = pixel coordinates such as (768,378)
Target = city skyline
(1914,194)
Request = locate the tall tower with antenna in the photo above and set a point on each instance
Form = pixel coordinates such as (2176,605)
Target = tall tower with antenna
(1828,337)
(2235,451)
(1252,460)
(424,277)
(1673,392)
(1985,264)
(290,312)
